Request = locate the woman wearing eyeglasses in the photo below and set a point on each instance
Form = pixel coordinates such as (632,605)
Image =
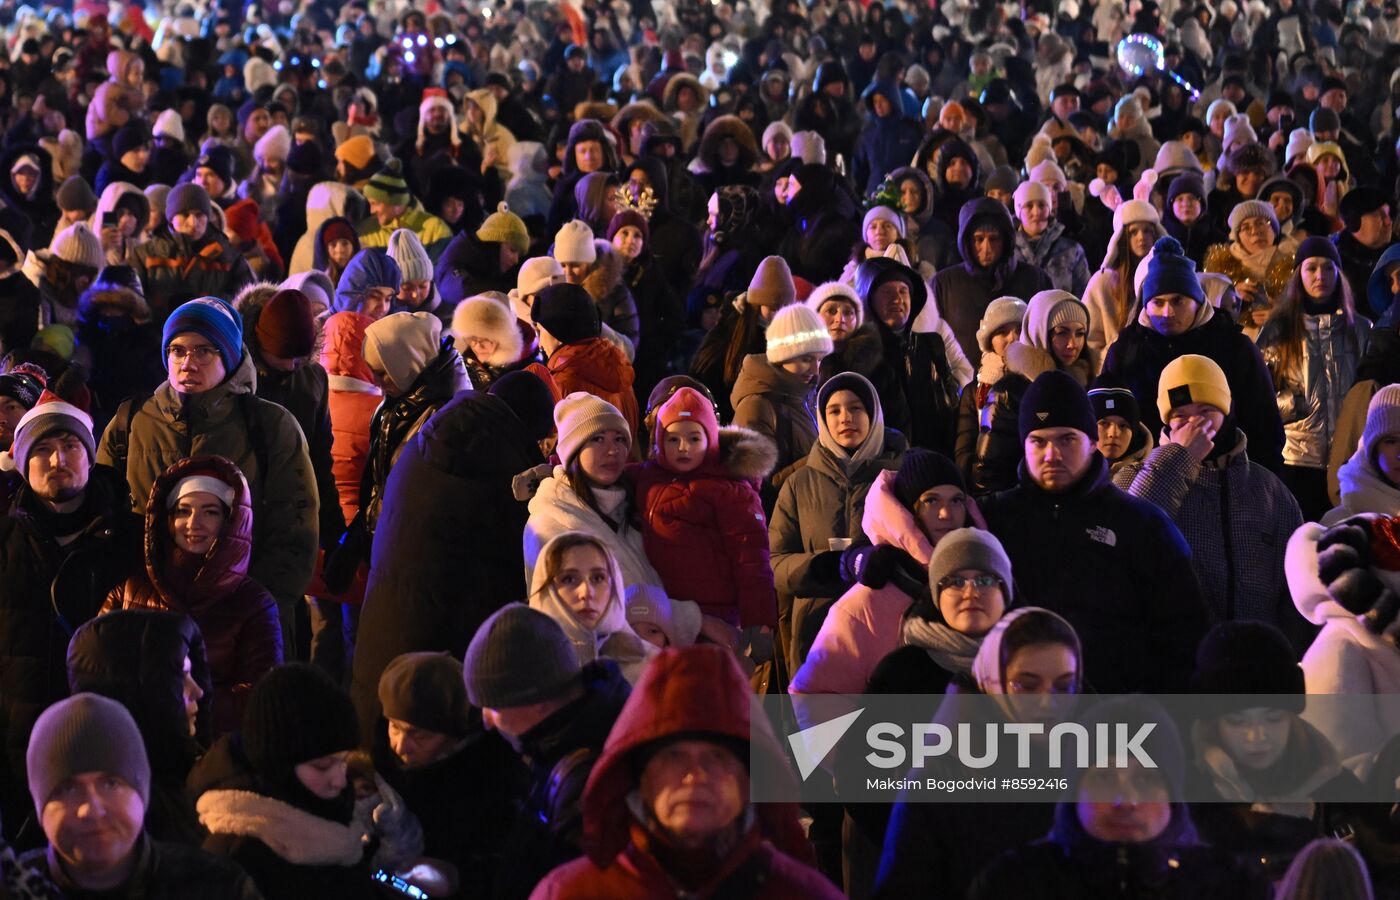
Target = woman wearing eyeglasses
(1253,260)
(972,588)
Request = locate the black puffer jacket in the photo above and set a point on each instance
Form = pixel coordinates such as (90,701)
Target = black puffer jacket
(137,658)
(561,752)
(39,208)
(49,590)
(449,481)
(1085,550)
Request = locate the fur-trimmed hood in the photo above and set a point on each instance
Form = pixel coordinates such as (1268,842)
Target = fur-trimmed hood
(727,127)
(606,273)
(673,86)
(295,835)
(745,454)
(113,300)
(1030,362)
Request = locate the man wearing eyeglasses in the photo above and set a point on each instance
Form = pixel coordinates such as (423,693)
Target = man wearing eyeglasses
(1113,565)
(208,405)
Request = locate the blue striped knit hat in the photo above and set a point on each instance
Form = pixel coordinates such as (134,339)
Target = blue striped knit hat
(212,318)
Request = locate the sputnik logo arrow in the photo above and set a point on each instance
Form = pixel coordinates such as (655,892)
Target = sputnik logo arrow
(811,745)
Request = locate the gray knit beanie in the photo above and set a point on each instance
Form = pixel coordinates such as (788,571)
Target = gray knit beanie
(407,250)
(85,733)
(971,548)
(518,657)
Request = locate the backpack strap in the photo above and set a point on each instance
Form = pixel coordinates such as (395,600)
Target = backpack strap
(121,442)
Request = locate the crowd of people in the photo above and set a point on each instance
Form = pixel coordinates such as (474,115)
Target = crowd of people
(425,426)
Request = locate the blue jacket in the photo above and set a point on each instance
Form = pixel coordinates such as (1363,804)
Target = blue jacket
(887,143)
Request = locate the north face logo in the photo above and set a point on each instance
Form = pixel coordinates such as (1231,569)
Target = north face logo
(1042,416)
(1102,535)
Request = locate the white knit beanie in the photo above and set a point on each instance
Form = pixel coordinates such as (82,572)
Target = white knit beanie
(275,144)
(836,290)
(169,124)
(407,250)
(1130,212)
(886,213)
(796,331)
(1027,191)
(574,243)
(579,416)
(1000,313)
(78,245)
(1050,174)
(775,129)
(809,147)
(536,274)
(1382,418)
(1299,140)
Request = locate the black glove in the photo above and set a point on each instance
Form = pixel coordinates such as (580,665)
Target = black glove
(872,566)
(825,568)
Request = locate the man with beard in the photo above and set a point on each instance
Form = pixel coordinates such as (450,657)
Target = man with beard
(69,539)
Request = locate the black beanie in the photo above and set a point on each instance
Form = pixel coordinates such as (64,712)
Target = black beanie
(1110,397)
(1056,400)
(296,713)
(1358,202)
(848,381)
(1248,658)
(426,690)
(529,398)
(921,470)
(567,312)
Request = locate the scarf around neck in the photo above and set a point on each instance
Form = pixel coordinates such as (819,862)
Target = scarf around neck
(952,650)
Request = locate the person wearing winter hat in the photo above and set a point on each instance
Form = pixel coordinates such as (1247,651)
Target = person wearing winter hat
(19,391)
(1041,240)
(431,743)
(507,229)
(907,513)
(493,342)
(67,268)
(1251,745)
(856,347)
(416,290)
(1253,260)
(66,512)
(1109,294)
(1001,185)
(970,588)
(523,673)
(276,797)
(475,262)
(1202,478)
(577,355)
(391,208)
(1122,436)
(1125,547)
(1369,479)
(213,171)
(574,249)
(356,161)
(89,746)
(207,369)
(190,257)
(1000,328)
(1176,319)
(1187,218)
(76,201)
(660,620)
(418,372)
(773,392)
(1365,236)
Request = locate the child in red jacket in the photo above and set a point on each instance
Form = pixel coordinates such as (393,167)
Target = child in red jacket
(702,521)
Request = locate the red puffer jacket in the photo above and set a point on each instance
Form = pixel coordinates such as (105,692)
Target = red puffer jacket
(238,617)
(705,532)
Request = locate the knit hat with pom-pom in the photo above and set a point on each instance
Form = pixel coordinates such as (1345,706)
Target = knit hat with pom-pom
(1171,272)
(505,227)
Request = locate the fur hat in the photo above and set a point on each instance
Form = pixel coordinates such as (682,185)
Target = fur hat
(482,317)
(276,144)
